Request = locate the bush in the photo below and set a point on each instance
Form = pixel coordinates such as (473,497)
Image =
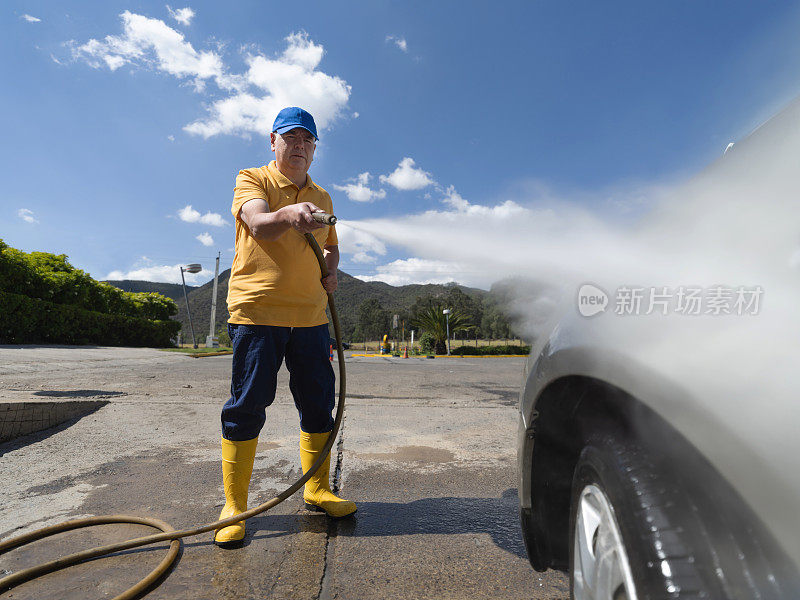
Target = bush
(52,278)
(25,320)
(17,274)
(491,350)
(427,343)
(224,339)
(153,306)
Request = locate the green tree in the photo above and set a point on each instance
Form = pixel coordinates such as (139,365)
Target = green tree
(494,323)
(454,298)
(423,303)
(471,308)
(373,320)
(432,321)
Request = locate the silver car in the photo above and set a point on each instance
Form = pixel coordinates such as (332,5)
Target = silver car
(660,457)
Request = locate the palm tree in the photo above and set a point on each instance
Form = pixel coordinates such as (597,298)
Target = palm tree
(432,321)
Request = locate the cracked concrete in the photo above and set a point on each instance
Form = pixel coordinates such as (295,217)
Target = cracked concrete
(333,525)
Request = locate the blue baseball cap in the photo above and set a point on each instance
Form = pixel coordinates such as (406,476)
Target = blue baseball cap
(292,117)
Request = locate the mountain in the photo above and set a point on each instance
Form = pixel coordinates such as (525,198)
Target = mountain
(170,290)
(395,299)
(349,296)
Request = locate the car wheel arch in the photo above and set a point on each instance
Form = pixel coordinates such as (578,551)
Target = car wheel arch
(568,413)
(562,412)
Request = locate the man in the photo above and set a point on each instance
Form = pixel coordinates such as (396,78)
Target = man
(277,307)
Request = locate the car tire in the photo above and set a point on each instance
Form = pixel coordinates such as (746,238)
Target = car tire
(640,530)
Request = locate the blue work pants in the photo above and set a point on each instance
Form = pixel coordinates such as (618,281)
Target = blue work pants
(258,352)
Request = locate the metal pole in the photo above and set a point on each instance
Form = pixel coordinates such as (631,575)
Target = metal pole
(213,322)
(448,333)
(185,297)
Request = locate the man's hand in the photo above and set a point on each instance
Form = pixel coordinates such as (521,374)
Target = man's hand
(298,216)
(269,226)
(330,283)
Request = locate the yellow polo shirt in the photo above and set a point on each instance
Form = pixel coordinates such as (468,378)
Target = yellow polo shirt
(278,282)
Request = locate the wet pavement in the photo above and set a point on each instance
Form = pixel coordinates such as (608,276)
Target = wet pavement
(426,450)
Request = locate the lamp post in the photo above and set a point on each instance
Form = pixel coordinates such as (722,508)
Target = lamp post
(192,268)
(446,312)
(211,340)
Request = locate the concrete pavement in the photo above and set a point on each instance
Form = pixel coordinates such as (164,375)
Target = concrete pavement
(427,451)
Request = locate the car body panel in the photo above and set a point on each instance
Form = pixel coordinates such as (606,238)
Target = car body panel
(757,455)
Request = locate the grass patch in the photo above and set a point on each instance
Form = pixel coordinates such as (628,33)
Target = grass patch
(521,350)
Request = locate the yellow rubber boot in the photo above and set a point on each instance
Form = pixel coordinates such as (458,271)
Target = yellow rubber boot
(237,466)
(318,495)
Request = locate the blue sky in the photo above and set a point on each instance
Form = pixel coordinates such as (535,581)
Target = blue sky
(112,123)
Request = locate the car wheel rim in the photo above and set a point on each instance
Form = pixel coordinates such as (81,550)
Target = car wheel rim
(600,565)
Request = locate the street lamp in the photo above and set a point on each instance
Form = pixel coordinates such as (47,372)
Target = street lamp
(211,340)
(192,268)
(446,312)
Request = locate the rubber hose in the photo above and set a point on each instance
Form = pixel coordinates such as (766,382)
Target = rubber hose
(168,533)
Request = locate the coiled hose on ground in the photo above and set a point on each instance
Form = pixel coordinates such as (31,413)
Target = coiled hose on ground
(170,533)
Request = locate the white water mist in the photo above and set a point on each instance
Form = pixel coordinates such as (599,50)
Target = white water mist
(735,224)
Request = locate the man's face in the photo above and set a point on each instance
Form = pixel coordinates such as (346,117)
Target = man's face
(294,148)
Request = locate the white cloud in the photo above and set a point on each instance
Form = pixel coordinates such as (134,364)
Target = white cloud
(362,246)
(181,15)
(415,270)
(302,51)
(272,84)
(407,177)
(400,42)
(362,258)
(359,191)
(190,215)
(356,115)
(113,62)
(153,43)
(26,215)
(31,19)
(255,96)
(507,209)
(205,239)
(145,270)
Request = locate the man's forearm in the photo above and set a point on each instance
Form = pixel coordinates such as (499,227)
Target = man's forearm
(269,226)
(331,254)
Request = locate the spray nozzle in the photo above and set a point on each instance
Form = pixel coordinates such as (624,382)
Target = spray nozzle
(323,217)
